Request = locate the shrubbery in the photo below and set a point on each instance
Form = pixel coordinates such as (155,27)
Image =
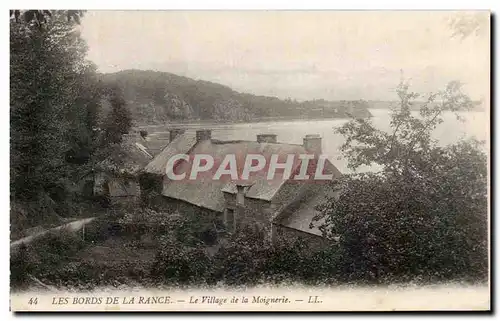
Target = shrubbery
(21,266)
(245,258)
(46,255)
(182,258)
(178,263)
(424,215)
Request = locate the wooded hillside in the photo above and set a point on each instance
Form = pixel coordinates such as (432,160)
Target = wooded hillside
(157,97)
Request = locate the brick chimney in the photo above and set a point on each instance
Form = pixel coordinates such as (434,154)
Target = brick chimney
(312,143)
(267,138)
(203,134)
(174,132)
(242,188)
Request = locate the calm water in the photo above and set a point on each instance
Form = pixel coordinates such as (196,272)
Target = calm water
(475,124)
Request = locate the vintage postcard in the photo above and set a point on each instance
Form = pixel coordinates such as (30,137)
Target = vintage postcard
(249,160)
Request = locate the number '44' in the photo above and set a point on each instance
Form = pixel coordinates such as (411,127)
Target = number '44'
(33,301)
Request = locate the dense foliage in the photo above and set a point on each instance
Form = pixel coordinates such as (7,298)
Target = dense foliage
(425,214)
(41,16)
(166,250)
(57,131)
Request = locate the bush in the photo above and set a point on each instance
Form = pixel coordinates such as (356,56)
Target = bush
(241,260)
(248,259)
(401,232)
(177,263)
(21,266)
(62,242)
(187,254)
(424,214)
(47,254)
(99,231)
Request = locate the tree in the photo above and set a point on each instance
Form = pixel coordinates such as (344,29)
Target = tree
(424,214)
(48,68)
(118,121)
(41,16)
(55,102)
(466,24)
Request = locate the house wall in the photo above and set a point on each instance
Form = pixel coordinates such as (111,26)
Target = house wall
(151,186)
(124,191)
(170,205)
(120,190)
(121,187)
(125,200)
(256,213)
(262,214)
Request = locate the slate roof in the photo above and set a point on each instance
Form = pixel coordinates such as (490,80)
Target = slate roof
(156,142)
(180,145)
(207,192)
(130,157)
(300,214)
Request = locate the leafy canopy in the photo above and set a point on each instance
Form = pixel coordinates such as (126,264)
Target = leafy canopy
(41,16)
(424,214)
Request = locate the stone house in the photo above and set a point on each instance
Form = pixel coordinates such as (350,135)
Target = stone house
(117,177)
(281,207)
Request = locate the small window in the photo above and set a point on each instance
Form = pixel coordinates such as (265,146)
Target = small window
(230,219)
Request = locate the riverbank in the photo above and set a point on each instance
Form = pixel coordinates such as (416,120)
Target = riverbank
(208,123)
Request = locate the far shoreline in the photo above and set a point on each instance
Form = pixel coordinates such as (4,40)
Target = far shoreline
(208,122)
(237,122)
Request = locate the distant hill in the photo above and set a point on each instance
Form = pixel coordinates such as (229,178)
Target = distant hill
(155,97)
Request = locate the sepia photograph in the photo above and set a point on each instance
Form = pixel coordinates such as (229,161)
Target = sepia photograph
(225,160)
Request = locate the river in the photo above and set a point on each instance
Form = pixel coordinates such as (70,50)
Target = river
(474,124)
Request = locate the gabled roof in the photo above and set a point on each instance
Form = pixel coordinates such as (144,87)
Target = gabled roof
(155,146)
(130,157)
(299,214)
(180,145)
(208,193)
(156,142)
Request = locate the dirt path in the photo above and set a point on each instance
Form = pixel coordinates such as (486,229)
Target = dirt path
(73,226)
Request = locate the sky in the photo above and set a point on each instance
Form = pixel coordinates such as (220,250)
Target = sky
(297,54)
